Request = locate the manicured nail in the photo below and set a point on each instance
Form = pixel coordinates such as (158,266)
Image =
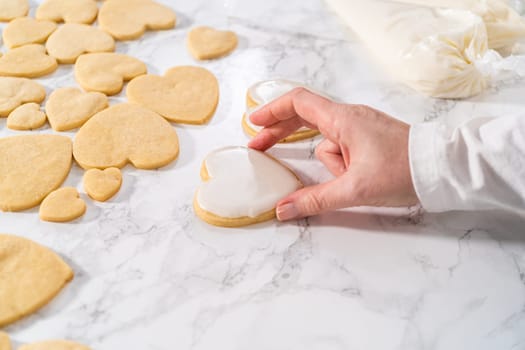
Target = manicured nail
(287,211)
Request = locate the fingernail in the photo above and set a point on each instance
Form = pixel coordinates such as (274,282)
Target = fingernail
(287,211)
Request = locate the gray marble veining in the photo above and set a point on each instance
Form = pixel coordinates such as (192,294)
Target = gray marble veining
(150,275)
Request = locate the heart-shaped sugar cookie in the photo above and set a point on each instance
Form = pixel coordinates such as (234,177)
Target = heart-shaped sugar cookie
(129,19)
(31,166)
(16,91)
(185,94)
(72,40)
(206,43)
(70,108)
(106,72)
(54,345)
(241,187)
(31,276)
(101,185)
(10,9)
(264,92)
(28,61)
(126,133)
(26,30)
(5,342)
(62,205)
(77,11)
(26,117)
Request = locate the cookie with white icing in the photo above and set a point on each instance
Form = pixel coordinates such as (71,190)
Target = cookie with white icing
(241,186)
(264,92)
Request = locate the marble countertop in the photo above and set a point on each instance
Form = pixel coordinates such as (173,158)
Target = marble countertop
(151,275)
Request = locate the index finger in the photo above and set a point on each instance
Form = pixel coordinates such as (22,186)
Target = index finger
(312,110)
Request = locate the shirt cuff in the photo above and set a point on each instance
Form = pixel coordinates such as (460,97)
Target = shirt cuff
(426,154)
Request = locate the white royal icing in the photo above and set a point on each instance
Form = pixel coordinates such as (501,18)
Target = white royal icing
(268,90)
(244,182)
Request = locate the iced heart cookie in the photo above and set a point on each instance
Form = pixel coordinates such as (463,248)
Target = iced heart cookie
(72,40)
(54,345)
(27,30)
(16,91)
(101,185)
(129,19)
(10,9)
(70,108)
(26,117)
(31,276)
(62,205)
(5,342)
(126,133)
(185,94)
(29,61)
(206,43)
(32,166)
(264,92)
(106,72)
(241,187)
(78,11)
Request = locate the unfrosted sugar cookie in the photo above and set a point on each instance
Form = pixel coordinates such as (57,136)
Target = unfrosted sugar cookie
(29,61)
(185,94)
(5,342)
(31,167)
(241,187)
(77,11)
(101,185)
(69,108)
(16,91)
(26,117)
(54,345)
(26,30)
(126,133)
(73,39)
(206,43)
(129,19)
(10,9)
(264,92)
(106,72)
(31,276)
(62,205)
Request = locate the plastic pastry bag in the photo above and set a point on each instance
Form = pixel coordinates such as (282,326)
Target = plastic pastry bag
(433,50)
(504,25)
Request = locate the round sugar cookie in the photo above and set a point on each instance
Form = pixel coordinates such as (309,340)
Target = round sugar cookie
(31,276)
(129,19)
(206,43)
(26,117)
(31,167)
(106,72)
(26,30)
(73,39)
(77,11)
(241,186)
(185,94)
(126,133)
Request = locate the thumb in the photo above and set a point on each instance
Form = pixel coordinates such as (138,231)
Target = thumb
(315,199)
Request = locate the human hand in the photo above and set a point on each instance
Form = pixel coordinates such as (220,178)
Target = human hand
(365,149)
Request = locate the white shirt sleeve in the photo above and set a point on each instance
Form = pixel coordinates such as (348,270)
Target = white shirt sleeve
(480,165)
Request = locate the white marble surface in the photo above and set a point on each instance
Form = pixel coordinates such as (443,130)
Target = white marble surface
(150,275)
